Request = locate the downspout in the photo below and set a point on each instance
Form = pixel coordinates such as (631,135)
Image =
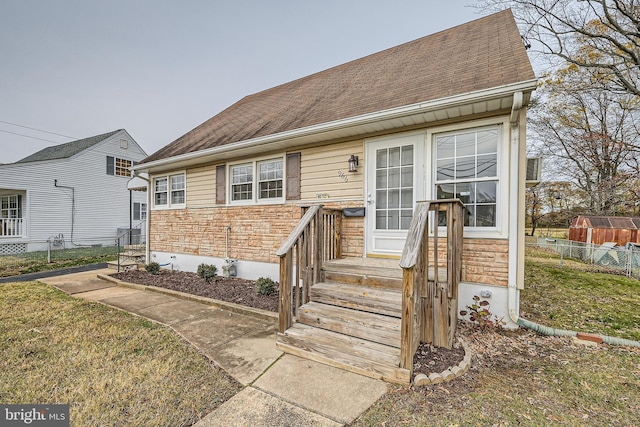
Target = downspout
(514,207)
(73,205)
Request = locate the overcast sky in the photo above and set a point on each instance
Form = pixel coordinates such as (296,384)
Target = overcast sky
(159,68)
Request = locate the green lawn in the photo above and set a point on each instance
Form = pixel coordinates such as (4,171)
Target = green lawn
(113,368)
(577,298)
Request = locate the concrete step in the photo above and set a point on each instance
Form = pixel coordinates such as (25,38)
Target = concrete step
(124,265)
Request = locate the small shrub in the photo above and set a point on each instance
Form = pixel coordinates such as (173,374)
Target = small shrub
(207,271)
(265,286)
(480,314)
(152,267)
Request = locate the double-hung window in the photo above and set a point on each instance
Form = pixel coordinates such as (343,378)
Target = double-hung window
(9,206)
(169,191)
(257,181)
(270,176)
(242,182)
(467,169)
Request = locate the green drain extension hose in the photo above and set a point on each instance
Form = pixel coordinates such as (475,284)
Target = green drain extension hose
(545,330)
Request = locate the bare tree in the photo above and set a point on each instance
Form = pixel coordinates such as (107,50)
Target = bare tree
(590,133)
(602,35)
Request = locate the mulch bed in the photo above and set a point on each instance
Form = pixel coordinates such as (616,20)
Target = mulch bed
(232,289)
(427,359)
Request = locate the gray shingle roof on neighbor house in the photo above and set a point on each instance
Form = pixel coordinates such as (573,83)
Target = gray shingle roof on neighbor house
(68,149)
(482,54)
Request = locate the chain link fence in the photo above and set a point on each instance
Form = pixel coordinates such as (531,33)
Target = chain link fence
(624,259)
(43,255)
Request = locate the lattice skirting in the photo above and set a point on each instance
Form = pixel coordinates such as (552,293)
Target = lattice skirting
(13,248)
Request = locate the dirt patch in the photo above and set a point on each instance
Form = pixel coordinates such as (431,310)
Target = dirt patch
(429,359)
(232,289)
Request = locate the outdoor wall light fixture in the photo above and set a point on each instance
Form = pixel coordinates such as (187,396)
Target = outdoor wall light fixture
(353,163)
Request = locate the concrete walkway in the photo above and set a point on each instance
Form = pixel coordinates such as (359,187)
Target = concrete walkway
(280,390)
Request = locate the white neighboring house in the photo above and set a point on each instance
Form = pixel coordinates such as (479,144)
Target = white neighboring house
(71,194)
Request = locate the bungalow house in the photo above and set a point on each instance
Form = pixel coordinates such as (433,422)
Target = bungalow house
(360,147)
(71,194)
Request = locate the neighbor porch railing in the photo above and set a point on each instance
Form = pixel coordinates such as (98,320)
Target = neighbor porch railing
(316,238)
(130,243)
(11,227)
(429,299)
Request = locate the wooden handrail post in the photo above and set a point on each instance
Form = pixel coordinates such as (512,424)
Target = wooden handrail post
(285,318)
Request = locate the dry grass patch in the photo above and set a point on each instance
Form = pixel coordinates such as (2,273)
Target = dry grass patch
(113,368)
(520,378)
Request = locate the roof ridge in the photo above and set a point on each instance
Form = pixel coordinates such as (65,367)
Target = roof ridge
(67,149)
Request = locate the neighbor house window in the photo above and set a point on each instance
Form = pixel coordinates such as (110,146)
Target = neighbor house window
(169,191)
(118,167)
(139,211)
(257,181)
(9,206)
(467,169)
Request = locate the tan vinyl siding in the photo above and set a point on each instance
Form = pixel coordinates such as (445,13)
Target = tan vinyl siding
(321,169)
(201,187)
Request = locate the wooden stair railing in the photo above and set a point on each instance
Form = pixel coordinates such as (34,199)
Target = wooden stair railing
(429,306)
(316,238)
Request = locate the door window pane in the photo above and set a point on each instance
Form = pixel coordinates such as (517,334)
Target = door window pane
(394,187)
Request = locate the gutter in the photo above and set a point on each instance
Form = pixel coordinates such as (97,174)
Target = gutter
(418,108)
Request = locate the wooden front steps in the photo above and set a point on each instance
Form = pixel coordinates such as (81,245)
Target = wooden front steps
(352,320)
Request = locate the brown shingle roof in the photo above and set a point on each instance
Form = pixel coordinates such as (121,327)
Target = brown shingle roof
(482,54)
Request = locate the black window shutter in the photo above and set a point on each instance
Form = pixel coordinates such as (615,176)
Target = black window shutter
(293,176)
(221,187)
(111,166)
(19,205)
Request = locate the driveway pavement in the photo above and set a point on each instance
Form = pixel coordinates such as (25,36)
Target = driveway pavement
(280,390)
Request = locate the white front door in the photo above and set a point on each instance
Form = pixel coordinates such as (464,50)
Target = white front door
(392,187)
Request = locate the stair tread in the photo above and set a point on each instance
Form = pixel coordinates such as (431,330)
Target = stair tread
(371,326)
(354,354)
(379,300)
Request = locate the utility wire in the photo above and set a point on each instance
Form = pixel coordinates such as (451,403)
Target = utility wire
(38,130)
(28,136)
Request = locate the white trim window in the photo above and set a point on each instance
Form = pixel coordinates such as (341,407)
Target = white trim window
(467,169)
(242,182)
(270,179)
(169,191)
(257,181)
(10,206)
